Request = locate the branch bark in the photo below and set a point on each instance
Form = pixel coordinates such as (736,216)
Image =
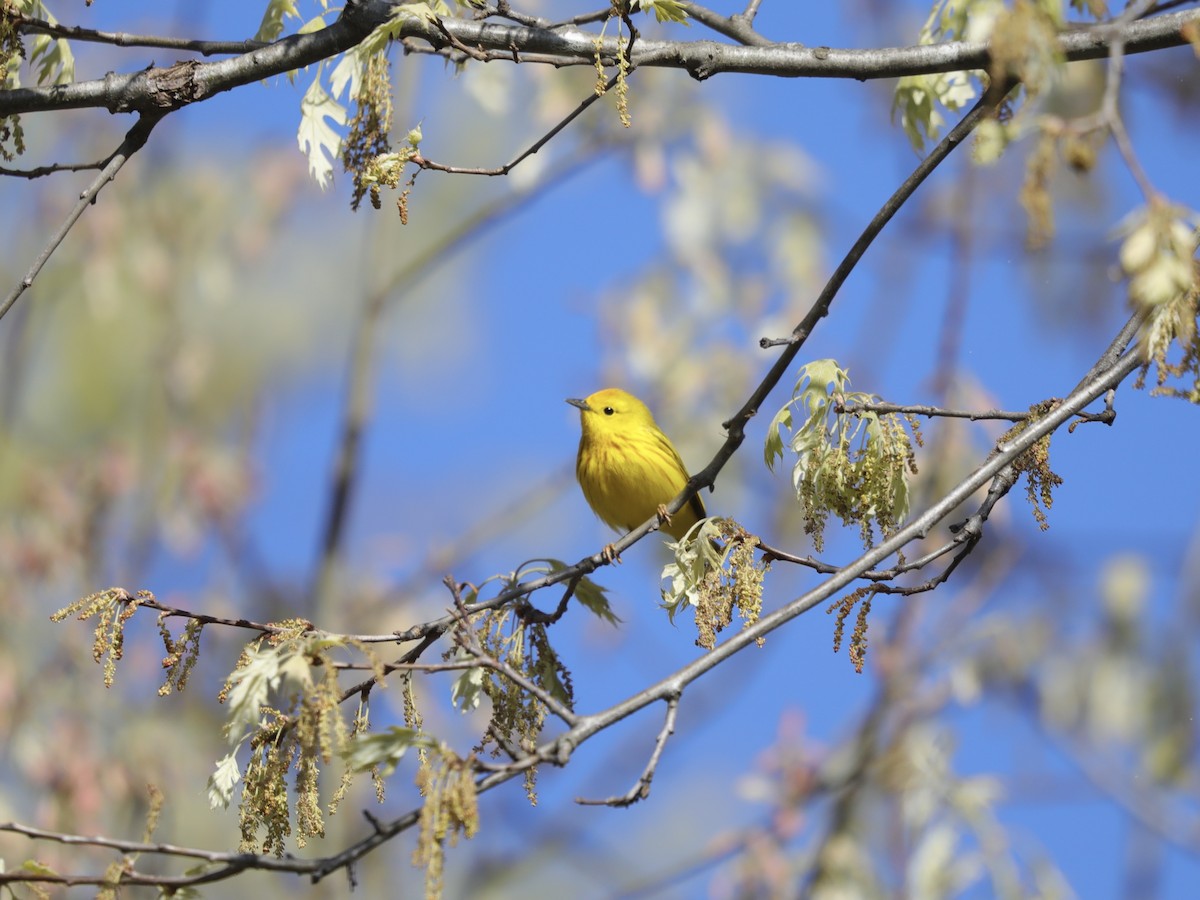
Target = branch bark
(187,82)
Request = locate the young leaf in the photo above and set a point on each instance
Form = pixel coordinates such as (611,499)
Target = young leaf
(384,749)
(316,138)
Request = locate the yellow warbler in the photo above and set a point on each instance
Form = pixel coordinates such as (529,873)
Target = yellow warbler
(628,469)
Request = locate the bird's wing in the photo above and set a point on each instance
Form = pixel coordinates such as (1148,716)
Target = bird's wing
(668,449)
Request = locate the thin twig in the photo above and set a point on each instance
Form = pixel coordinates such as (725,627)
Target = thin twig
(840,406)
(737,26)
(123,39)
(134,140)
(533,148)
(43,171)
(641,788)
(1110,108)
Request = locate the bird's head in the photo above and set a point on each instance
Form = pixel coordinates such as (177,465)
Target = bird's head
(612,411)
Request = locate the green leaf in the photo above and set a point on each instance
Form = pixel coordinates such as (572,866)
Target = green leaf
(316,23)
(255,680)
(773,446)
(665,10)
(384,749)
(271,26)
(32,865)
(316,138)
(222,782)
(592,596)
(467,691)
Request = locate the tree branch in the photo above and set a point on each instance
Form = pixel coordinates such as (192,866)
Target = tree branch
(164,89)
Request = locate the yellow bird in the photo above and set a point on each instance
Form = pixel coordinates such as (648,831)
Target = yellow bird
(628,469)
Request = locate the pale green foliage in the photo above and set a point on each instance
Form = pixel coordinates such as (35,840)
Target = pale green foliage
(1022,42)
(317,139)
(853,465)
(695,555)
(467,691)
(1158,257)
(513,639)
(222,782)
(51,58)
(664,10)
(385,749)
(451,809)
(1157,253)
(271,26)
(918,98)
(284,700)
(263,671)
(715,572)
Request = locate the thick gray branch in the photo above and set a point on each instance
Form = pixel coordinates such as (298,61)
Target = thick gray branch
(159,90)
(162,89)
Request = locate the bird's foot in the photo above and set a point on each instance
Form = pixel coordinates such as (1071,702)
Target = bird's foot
(609,554)
(664,517)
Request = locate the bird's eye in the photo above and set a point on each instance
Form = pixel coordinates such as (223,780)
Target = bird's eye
(608,410)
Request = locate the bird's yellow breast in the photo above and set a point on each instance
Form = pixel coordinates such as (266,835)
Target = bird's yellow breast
(627,474)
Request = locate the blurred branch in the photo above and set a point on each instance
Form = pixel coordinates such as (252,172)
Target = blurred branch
(346,466)
(1131,793)
(363,349)
(135,139)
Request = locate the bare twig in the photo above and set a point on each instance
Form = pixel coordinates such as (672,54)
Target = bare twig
(43,171)
(641,788)
(737,26)
(533,148)
(1110,109)
(135,139)
(840,406)
(123,39)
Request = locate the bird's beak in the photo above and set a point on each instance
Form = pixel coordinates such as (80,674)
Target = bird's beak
(582,404)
